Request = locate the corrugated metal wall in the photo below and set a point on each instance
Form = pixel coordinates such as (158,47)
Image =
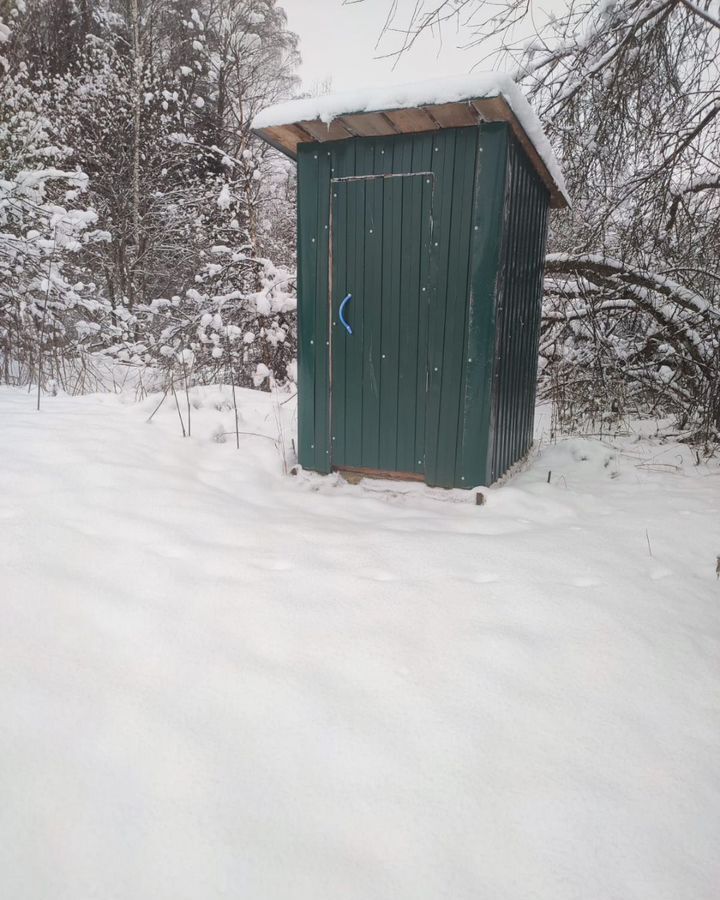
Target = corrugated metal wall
(519,299)
(480,230)
(381,233)
(450,156)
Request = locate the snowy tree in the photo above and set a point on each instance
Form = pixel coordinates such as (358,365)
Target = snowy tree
(45,305)
(152,100)
(633,299)
(630,93)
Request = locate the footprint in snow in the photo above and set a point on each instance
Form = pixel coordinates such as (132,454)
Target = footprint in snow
(170,551)
(486,578)
(659,572)
(272,564)
(380,575)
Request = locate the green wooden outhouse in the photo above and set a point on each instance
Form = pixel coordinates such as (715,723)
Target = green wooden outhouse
(422,216)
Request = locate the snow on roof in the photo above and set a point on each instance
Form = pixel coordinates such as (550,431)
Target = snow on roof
(422,93)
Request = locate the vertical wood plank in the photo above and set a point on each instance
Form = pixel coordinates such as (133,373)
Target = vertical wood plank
(322,311)
(337,338)
(390,312)
(486,276)
(412,235)
(526,367)
(372,324)
(443,171)
(422,161)
(354,342)
(541,218)
(456,305)
(307,273)
(507,301)
(467,361)
(516,352)
(343,165)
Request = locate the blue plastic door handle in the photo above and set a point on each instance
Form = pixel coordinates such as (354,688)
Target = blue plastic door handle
(345,302)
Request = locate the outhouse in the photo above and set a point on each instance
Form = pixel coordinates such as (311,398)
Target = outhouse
(422,216)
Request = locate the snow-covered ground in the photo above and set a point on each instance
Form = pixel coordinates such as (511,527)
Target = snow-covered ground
(220,681)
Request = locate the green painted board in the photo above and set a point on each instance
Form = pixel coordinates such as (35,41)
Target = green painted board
(377,223)
(308,195)
(485,285)
(517,314)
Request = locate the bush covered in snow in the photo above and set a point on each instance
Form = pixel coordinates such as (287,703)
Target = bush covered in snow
(628,91)
(139,218)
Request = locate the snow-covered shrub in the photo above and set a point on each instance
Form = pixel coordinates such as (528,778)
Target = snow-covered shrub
(628,92)
(147,185)
(240,315)
(48,304)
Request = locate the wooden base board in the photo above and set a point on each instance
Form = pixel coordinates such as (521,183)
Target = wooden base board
(355,474)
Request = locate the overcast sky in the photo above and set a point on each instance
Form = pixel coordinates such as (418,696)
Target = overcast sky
(338,41)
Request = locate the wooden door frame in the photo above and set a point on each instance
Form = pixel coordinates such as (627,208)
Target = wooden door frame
(360,471)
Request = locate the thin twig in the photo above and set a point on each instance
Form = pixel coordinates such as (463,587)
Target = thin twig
(187,393)
(252,434)
(44,315)
(177,405)
(150,417)
(235,406)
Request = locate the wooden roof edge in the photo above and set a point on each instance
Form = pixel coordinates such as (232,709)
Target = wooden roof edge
(265,134)
(497,109)
(285,138)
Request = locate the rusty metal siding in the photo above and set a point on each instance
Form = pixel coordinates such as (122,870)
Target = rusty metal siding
(518,313)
